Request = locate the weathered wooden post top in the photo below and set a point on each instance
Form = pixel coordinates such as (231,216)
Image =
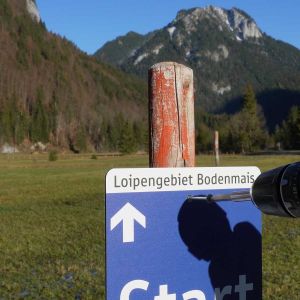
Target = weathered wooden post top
(171,116)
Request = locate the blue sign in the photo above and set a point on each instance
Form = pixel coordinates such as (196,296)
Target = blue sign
(161,246)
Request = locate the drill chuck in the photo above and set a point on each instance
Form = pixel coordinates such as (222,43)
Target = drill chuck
(277,192)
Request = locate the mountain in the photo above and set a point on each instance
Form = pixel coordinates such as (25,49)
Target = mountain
(226,49)
(118,51)
(33,10)
(52,92)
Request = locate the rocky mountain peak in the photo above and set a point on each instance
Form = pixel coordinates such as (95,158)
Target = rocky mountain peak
(233,19)
(244,25)
(33,10)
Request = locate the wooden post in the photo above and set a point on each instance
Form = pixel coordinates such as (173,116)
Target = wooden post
(171,116)
(216,145)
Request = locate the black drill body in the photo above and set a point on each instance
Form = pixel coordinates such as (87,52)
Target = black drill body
(275,192)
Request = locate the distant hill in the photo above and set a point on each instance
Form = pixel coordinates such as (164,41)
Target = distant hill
(226,49)
(50,91)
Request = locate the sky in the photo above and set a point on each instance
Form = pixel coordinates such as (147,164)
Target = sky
(92,23)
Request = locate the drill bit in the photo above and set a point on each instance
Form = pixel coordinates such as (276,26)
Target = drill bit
(235,196)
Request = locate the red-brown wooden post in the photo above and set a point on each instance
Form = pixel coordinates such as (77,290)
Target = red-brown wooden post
(171,116)
(216,148)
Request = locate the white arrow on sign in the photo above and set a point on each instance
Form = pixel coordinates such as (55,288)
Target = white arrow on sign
(128,214)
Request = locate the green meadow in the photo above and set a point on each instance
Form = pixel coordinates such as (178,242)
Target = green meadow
(52,227)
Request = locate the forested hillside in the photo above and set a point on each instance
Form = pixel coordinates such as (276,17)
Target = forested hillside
(50,91)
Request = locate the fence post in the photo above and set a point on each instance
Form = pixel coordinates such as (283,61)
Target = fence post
(216,148)
(171,116)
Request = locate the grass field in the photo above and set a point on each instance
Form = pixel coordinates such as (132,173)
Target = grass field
(52,227)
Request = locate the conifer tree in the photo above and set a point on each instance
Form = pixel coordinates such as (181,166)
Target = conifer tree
(249,101)
(39,125)
(203,138)
(113,136)
(140,135)
(6,120)
(289,133)
(127,141)
(80,141)
(13,123)
(21,127)
(114,132)
(53,114)
(253,135)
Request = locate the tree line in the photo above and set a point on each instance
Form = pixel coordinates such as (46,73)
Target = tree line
(37,121)
(245,131)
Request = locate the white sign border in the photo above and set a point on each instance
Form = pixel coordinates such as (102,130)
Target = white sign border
(138,180)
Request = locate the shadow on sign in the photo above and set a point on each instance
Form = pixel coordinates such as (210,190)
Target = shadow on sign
(234,254)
